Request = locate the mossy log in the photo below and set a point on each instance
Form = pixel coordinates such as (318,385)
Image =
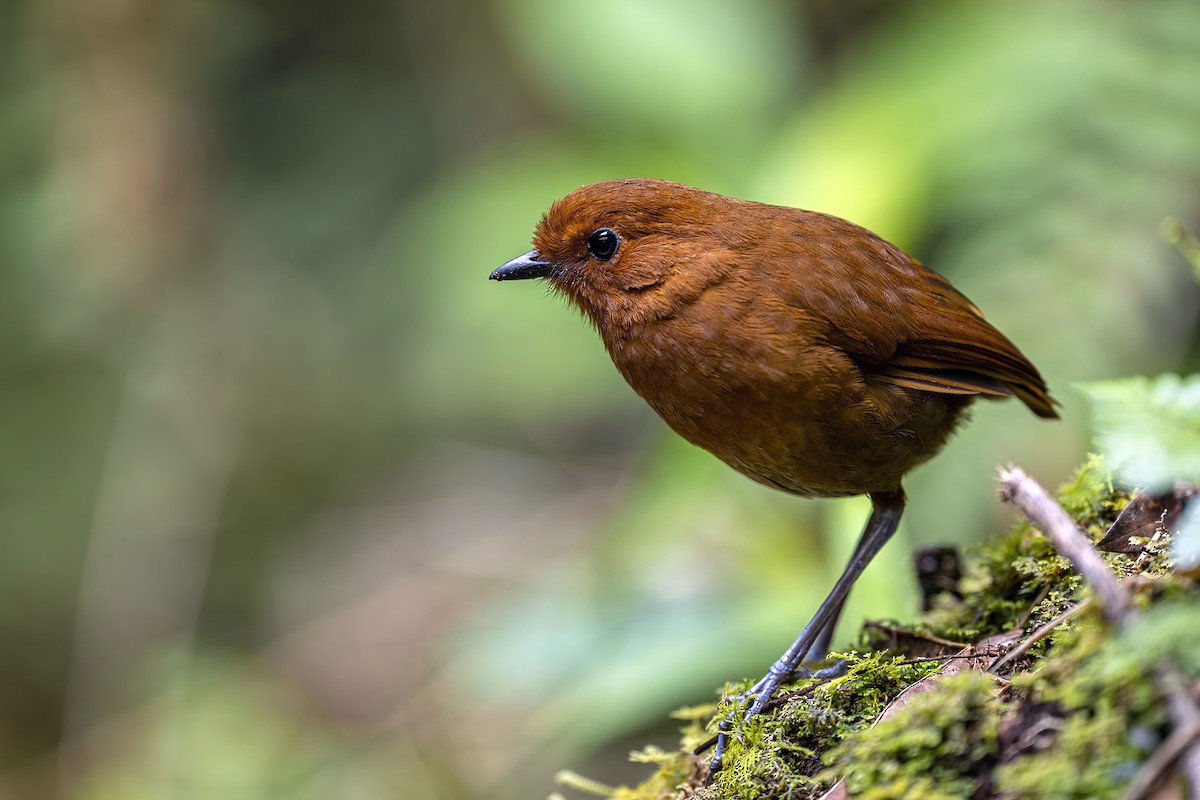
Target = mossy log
(1016,684)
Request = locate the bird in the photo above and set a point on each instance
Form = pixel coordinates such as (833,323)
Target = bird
(801,349)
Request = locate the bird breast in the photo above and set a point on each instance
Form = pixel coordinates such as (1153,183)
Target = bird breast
(755,382)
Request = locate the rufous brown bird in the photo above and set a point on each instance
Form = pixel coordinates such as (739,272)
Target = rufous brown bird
(802,350)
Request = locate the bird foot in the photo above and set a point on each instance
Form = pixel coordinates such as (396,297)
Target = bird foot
(760,694)
(886,508)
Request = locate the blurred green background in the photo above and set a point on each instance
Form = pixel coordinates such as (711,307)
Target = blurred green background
(297,504)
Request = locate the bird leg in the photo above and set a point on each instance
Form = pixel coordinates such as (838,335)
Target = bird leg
(886,508)
(820,645)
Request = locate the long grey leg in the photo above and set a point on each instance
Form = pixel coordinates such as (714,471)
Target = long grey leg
(886,508)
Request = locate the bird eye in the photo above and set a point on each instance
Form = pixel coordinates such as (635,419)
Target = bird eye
(602,243)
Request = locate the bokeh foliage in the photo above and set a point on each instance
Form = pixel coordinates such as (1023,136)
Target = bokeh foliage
(281,468)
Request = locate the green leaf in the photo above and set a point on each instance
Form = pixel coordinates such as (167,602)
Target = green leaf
(1149,428)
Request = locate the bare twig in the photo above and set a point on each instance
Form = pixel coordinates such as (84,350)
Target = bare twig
(1037,601)
(1160,760)
(1181,708)
(1039,507)
(986,651)
(1038,635)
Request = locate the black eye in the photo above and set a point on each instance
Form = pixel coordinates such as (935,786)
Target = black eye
(602,243)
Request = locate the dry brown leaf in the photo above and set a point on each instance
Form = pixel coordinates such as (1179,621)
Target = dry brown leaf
(1145,513)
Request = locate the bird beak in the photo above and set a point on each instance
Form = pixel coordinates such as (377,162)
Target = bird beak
(525,266)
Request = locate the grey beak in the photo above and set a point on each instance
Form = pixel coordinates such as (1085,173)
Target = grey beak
(525,266)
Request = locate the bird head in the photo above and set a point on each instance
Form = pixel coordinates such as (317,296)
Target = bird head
(625,251)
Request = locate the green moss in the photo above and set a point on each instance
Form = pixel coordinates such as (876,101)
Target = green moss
(1074,717)
(1018,580)
(1090,496)
(781,753)
(673,769)
(1109,713)
(1087,761)
(929,747)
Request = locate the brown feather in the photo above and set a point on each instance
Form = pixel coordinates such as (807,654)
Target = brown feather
(803,350)
(943,381)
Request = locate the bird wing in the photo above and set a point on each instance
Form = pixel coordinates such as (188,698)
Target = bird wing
(979,360)
(957,351)
(906,325)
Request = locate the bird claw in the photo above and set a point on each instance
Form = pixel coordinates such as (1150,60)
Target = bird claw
(761,692)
